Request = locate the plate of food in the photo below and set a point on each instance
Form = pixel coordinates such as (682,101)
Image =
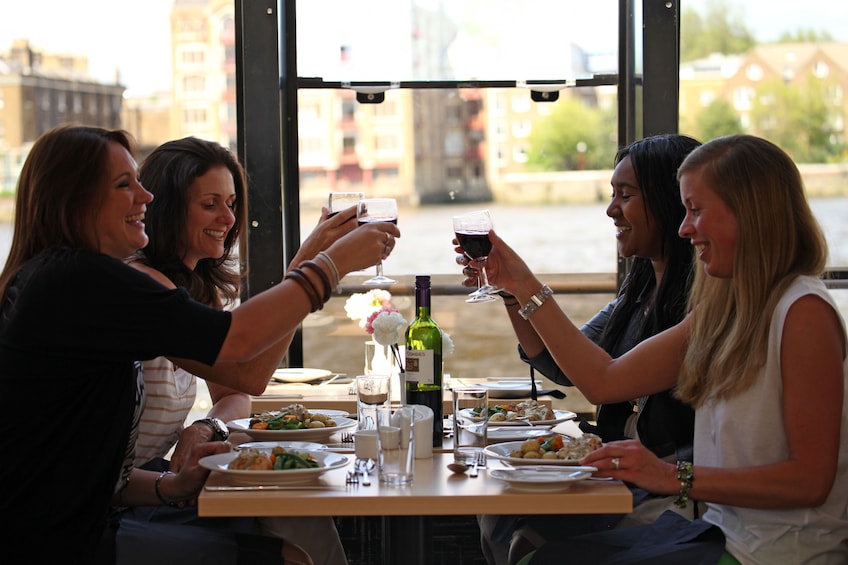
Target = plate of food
(509,389)
(526,413)
(552,449)
(275,466)
(293,422)
(515,433)
(544,479)
(299,375)
(298,445)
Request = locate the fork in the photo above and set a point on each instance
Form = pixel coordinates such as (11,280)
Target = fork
(479,461)
(347,437)
(365,466)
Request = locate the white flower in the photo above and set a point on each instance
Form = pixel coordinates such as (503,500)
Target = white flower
(447,344)
(389,327)
(361,305)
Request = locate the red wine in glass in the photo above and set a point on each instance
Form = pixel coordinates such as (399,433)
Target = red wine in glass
(472,234)
(475,245)
(371,210)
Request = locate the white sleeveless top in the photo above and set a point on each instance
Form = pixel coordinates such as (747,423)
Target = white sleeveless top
(171,392)
(747,431)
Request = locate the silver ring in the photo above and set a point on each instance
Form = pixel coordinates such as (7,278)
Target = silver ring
(459,258)
(388,238)
(616,463)
(388,249)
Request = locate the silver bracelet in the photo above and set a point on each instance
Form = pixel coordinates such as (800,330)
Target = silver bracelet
(332,266)
(535,302)
(162,499)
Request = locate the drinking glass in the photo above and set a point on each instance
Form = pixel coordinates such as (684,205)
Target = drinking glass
(377,210)
(396,444)
(339,201)
(372,392)
(472,234)
(470,423)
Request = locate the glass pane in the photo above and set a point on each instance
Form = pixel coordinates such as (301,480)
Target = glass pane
(403,40)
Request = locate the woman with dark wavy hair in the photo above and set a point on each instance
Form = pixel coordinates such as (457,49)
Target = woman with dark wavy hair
(646,210)
(193,223)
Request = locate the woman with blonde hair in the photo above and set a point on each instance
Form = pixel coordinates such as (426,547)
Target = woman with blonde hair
(761,356)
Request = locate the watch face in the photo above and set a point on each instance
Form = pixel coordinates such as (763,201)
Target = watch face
(221,428)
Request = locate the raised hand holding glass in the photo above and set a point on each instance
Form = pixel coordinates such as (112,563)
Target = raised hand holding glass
(472,234)
(378,210)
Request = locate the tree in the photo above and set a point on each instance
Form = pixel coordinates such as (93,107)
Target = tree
(797,117)
(719,30)
(805,36)
(556,140)
(717,119)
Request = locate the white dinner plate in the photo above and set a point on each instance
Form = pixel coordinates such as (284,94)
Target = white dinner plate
(559,416)
(548,479)
(321,435)
(300,375)
(502,450)
(509,389)
(326,459)
(296,445)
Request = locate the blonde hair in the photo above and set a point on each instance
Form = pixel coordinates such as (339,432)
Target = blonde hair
(779,239)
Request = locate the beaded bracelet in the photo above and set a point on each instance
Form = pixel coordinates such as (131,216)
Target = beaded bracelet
(161,498)
(333,269)
(328,288)
(297,275)
(685,474)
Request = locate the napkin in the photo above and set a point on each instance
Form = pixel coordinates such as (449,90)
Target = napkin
(422,431)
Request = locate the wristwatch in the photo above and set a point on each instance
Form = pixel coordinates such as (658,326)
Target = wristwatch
(220,432)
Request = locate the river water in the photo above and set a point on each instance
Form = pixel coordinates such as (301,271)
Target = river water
(576,238)
(552,239)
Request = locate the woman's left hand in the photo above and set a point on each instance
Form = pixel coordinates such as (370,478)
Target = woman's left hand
(632,462)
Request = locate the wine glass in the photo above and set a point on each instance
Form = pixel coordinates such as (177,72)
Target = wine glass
(472,234)
(377,210)
(339,201)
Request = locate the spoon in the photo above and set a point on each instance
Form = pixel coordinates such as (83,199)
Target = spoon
(458,468)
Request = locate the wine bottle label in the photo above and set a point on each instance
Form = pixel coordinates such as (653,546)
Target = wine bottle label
(420,366)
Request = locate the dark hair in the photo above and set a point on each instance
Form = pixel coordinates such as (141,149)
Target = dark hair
(168,172)
(655,161)
(60,190)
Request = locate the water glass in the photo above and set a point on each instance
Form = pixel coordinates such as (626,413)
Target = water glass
(395,444)
(470,423)
(372,391)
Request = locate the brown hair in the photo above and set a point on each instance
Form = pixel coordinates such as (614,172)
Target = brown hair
(168,172)
(60,190)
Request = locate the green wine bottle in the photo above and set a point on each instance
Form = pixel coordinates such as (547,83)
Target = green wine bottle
(423,364)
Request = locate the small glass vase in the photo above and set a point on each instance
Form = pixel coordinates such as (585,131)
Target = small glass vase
(379,360)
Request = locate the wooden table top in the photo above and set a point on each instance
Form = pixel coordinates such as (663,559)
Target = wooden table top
(436,491)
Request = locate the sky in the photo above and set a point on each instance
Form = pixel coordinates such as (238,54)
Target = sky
(132,36)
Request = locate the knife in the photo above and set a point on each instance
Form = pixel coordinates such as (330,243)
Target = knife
(229,488)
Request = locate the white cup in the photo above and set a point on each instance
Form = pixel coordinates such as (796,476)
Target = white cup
(396,444)
(365,444)
(469,431)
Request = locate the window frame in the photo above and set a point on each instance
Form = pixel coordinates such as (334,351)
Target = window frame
(266,75)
